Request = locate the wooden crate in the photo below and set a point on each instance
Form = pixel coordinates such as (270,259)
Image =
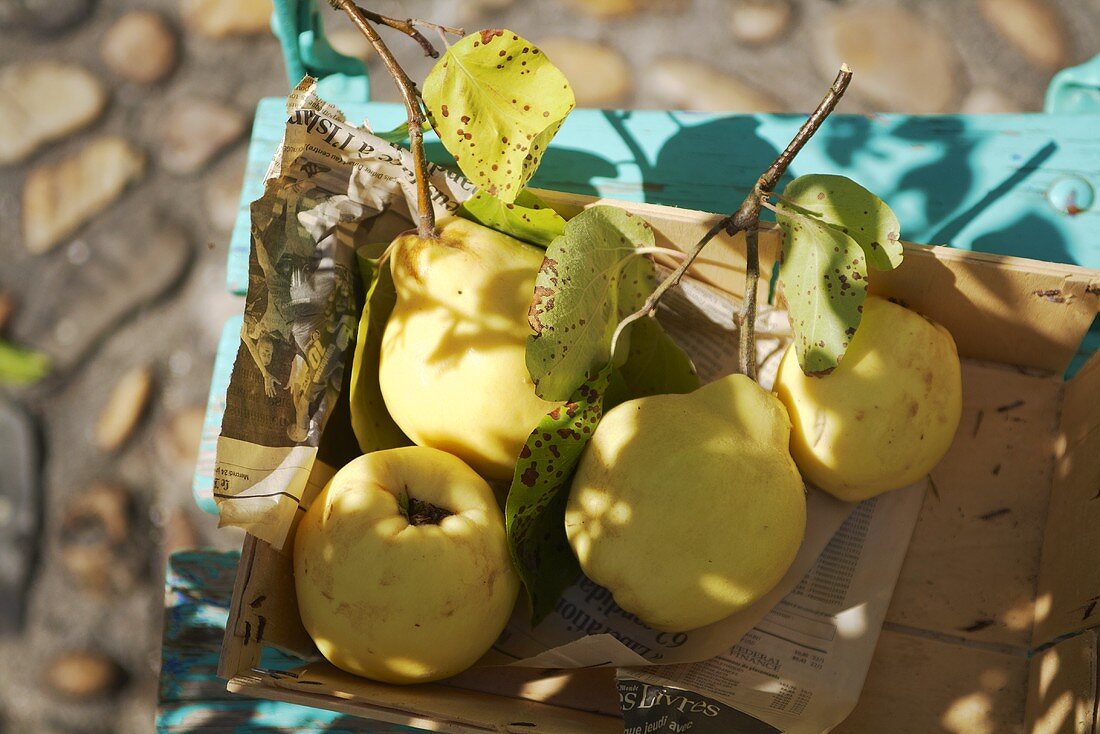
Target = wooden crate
(993,622)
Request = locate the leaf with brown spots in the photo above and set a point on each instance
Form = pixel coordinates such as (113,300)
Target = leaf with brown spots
(824,279)
(535,510)
(591,279)
(496,102)
(840,202)
(527,219)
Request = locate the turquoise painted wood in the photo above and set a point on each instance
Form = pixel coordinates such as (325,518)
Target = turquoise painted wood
(299,26)
(975,182)
(198,589)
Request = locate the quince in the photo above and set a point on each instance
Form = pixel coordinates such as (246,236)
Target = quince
(402,569)
(886,415)
(689,507)
(452,368)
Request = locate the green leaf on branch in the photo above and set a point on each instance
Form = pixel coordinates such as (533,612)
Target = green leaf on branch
(399,134)
(655,365)
(19,366)
(840,202)
(535,509)
(824,279)
(496,101)
(370,420)
(591,278)
(527,219)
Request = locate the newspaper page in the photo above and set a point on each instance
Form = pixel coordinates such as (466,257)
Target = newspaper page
(795,659)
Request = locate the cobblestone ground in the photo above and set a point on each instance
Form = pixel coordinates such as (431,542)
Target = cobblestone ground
(114,221)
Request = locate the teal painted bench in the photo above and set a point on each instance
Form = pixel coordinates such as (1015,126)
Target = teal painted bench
(996,183)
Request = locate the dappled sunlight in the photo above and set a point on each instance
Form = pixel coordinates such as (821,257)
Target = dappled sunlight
(1048,671)
(852,622)
(993,679)
(1043,606)
(198,720)
(724,589)
(1052,720)
(408,668)
(619,513)
(542,689)
(1019,618)
(427,724)
(970,714)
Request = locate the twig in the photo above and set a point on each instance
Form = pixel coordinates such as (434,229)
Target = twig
(426,224)
(747,219)
(671,281)
(408,27)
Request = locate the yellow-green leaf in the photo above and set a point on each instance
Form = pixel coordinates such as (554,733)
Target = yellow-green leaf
(840,202)
(655,364)
(527,218)
(824,279)
(496,101)
(370,420)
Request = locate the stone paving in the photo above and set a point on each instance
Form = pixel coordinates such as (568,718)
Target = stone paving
(114,222)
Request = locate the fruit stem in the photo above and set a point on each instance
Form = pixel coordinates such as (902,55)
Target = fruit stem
(426,224)
(747,219)
(420,512)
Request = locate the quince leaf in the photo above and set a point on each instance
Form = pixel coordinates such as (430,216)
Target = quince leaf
(19,366)
(399,134)
(655,365)
(824,279)
(840,202)
(535,509)
(590,280)
(370,420)
(527,219)
(496,101)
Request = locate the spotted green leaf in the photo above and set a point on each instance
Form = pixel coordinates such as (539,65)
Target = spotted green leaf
(654,365)
(842,203)
(535,509)
(370,420)
(496,101)
(527,218)
(591,278)
(824,279)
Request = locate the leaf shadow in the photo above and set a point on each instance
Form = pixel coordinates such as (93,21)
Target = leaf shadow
(562,169)
(685,172)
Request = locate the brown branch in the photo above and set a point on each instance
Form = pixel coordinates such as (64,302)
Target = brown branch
(408,27)
(747,219)
(409,95)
